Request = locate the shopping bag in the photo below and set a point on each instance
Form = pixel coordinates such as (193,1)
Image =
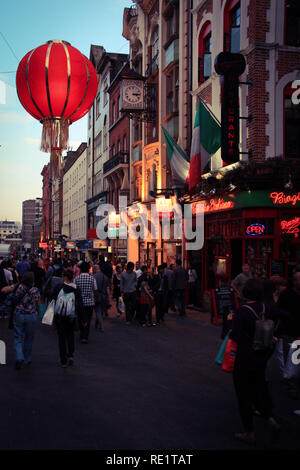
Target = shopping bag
(121,305)
(292,365)
(220,355)
(49,314)
(229,356)
(43,308)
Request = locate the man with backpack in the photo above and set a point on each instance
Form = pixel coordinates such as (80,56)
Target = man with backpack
(68,307)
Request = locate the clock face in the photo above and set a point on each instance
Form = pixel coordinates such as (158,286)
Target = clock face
(133,94)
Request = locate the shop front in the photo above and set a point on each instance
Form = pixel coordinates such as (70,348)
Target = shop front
(260,228)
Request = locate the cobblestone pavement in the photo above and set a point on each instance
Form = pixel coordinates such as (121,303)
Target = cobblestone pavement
(132,388)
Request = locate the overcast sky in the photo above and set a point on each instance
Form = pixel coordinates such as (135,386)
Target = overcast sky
(24,26)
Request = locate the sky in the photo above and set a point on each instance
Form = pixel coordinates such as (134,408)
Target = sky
(25,25)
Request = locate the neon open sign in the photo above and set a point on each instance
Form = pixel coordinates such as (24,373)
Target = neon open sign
(255,229)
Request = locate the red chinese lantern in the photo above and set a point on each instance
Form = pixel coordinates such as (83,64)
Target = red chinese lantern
(57,85)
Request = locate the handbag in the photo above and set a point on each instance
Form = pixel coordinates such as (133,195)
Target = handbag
(292,366)
(121,305)
(43,308)
(49,314)
(220,355)
(229,356)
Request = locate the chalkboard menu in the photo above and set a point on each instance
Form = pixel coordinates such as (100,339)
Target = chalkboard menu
(278,268)
(224,301)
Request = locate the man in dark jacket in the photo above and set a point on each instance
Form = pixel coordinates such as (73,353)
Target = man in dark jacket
(179,287)
(160,289)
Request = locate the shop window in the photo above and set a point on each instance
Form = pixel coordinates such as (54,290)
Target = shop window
(204,53)
(292,22)
(232,24)
(291,125)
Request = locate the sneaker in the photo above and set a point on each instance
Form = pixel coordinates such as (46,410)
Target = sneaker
(84,341)
(128,323)
(19,365)
(153,324)
(64,366)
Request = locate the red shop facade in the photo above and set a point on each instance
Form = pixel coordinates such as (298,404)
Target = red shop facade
(261,228)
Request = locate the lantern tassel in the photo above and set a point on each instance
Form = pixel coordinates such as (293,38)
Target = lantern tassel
(55,134)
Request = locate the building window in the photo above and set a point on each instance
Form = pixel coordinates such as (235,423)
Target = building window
(113,113)
(119,106)
(204,53)
(232,23)
(119,145)
(153,52)
(172,91)
(291,124)
(90,118)
(98,106)
(125,143)
(105,133)
(105,92)
(292,20)
(137,131)
(113,150)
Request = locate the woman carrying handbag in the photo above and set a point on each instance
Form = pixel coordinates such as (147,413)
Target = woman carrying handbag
(251,359)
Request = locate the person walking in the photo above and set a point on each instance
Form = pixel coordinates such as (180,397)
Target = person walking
(250,364)
(239,281)
(22,266)
(128,284)
(146,299)
(192,281)
(88,288)
(160,289)
(179,287)
(169,295)
(68,306)
(52,284)
(116,287)
(27,299)
(102,296)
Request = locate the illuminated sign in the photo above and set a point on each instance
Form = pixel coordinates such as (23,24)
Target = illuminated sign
(70,245)
(255,229)
(281,198)
(214,205)
(43,245)
(230,66)
(99,244)
(291,226)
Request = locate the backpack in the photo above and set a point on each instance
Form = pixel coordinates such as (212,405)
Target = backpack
(65,304)
(264,331)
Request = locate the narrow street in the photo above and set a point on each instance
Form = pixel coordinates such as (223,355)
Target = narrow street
(131,388)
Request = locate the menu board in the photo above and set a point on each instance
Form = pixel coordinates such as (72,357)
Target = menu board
(278,268)
(224,301)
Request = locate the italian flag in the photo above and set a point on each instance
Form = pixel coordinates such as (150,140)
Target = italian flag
(179,162)
(206,140)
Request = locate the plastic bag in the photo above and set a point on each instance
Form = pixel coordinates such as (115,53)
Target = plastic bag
(49,314)
(43,308)
(229,356)
(121,305)
(220,355)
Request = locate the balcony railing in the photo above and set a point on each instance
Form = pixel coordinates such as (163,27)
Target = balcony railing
(118,159)
(153,66)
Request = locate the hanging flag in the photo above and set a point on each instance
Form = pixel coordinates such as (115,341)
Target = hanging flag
(179,162)
(206,140)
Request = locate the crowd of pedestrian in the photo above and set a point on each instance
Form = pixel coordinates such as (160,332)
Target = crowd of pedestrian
(81,291)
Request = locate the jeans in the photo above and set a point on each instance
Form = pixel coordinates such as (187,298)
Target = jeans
(65,332)
(85,330)
(130,305)
(251,389)
(180,301)
(24,329)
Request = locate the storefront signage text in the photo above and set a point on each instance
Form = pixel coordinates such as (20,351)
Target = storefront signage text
(282,198)
(291,226)
(213,205)
(43,245)
(255,229)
